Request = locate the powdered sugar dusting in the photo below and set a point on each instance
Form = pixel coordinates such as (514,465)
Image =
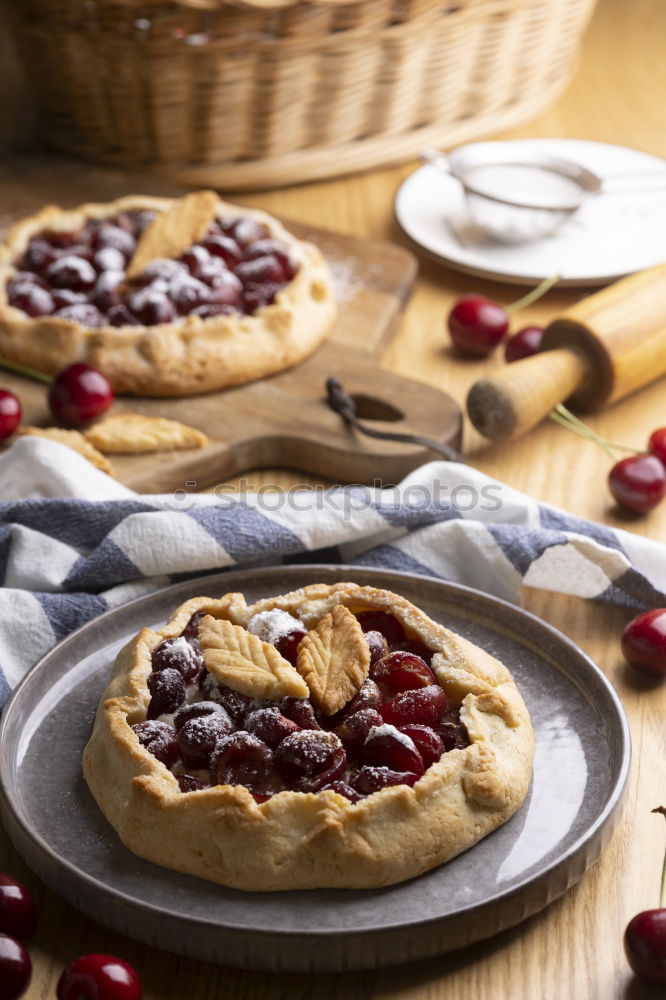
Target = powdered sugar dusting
(386,729)
(178,652)
(271,626)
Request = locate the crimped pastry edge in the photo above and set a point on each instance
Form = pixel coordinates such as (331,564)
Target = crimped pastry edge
(303,841)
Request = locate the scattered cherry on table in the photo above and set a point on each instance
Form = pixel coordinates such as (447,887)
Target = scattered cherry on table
(657,444)
(523,344)
(79,394)
(18,915)
(10,413)
(638,483)
(645,936)
(15,968)
(477,325)
(644,642)
(99,977)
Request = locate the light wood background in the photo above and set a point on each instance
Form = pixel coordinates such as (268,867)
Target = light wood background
(572,951)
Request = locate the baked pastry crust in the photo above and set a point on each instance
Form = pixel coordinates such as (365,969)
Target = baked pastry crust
(136,434)
(174,359)
(298,840)
(74,440)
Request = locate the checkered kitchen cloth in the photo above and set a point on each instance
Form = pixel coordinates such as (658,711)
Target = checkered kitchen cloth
(82,543)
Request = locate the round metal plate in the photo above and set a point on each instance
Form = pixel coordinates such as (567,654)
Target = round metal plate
(580,771)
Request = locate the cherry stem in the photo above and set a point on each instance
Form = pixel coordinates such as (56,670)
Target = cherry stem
(662,894)
(532,296)
(565,418)
(10,366)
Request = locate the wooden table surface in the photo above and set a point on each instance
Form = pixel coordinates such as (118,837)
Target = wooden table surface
(573,950)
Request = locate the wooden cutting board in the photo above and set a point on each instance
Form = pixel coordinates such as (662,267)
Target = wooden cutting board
(282,421)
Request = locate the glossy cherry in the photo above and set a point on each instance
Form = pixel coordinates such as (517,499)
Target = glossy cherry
(18,915)
(354,730)
(99,977)
(423,707)
(477,325)
(523,344)
(428,743)
(386,746)
(657,444)
(645,945)
(10,413)
(168,692)
(638,483)
(79,394)
(401,671)
(15,968)
(644,642)
(645,936)
(368,779)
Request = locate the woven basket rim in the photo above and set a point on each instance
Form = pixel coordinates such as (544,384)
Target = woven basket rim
(145,6)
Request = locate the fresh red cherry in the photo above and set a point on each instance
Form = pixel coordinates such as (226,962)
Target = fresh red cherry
(99,977)
(477,324)
(402,671)
(10,413)
(644,642)
(645,936)
(638,483)
(645,945)
(657,444)
(18,915)
(523,344)
(15,968)
(79,394)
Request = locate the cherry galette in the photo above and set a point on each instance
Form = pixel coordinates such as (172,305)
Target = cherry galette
(333,736)
(164,296)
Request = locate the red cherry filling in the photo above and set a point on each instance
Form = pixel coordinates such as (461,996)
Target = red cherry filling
(168,692)
(342,788)
(236,704)
(159,739)
(424,706)
(242,759)
(453,733)
(402,671)
(310,760)
(384,623)
(389,733)
(429,745)
(270,726)
(367,696)
(377,645)
(300,711)
(180,654)
(188,783)
(198,737)
(235,268)
(354,731)
(387,747)
(368,779)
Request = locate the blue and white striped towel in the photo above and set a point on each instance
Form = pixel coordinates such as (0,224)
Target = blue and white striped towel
(82,543)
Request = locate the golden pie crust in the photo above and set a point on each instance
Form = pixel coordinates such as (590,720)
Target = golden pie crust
(298,840)
(173,359)
(136,434)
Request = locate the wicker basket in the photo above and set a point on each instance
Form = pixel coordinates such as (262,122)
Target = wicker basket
(257,93)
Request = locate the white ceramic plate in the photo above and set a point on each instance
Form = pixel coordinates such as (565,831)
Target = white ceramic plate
(612,235)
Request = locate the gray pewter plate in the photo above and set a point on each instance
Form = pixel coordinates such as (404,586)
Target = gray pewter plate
(572,807)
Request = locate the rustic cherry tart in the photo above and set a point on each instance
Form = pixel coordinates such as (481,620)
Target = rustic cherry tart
(334,736)
(165,296)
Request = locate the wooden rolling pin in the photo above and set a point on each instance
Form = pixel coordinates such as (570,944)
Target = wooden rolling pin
(596,352)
